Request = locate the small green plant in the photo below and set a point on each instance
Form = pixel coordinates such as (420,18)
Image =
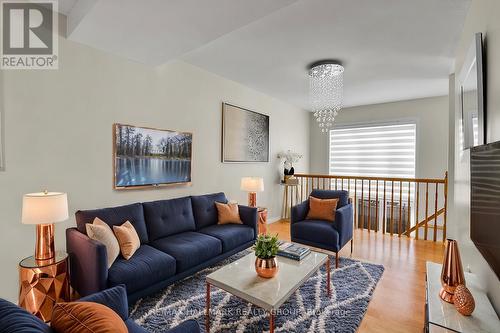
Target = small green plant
(266,246)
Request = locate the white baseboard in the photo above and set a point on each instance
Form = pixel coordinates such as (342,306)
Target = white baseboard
(273,220)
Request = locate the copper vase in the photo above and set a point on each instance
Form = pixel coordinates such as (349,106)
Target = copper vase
(266,268)
(452,273)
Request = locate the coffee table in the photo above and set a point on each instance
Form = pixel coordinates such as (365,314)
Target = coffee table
(240,279)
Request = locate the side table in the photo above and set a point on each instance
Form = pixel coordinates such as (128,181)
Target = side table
(290,198)
(262,211)
(43,283)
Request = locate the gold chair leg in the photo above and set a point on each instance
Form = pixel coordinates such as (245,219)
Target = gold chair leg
(336,260)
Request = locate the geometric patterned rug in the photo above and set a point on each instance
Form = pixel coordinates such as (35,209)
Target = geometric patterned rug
(308,310)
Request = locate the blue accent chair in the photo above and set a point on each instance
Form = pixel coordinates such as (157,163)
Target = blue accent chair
(179,237)
(330,236)
(14,319)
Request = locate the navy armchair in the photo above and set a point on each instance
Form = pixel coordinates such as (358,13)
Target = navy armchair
(331,236)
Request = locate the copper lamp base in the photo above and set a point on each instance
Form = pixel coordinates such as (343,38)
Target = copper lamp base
(252,199)
(45,247)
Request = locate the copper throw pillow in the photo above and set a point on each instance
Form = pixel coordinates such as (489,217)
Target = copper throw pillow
(86,317)
(127,238)
(228,213)
(322,209)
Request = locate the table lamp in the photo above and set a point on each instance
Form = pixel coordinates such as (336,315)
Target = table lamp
(252,185)
(44,209)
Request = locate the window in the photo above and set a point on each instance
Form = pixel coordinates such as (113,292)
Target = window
(373,150)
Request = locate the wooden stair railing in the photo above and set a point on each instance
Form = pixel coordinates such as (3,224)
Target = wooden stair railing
(400,198)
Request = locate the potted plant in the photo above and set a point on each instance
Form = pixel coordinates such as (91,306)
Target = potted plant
(266,248)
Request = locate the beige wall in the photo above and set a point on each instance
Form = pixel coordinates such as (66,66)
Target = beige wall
(430,115)
(58,137)
(482,17)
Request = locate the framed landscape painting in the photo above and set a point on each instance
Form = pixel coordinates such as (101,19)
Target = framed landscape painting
(145,157)
(245,135)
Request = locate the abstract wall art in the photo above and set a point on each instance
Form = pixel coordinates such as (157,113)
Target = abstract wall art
(150,157)
(245,135)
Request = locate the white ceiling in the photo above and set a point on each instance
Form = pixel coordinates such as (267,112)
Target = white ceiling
(391,49)
(156,31)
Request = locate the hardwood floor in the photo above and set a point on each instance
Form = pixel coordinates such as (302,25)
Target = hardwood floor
(399,298)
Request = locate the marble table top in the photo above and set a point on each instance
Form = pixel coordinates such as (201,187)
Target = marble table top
(240,279)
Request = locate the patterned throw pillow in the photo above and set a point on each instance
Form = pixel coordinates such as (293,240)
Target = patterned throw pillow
(322,209)
(228,213)
(100,231)
(127,238)
(86,317)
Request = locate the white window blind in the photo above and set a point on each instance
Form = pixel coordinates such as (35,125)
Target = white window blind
(373,151)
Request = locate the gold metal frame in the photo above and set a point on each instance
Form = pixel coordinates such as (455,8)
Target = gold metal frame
(138,187)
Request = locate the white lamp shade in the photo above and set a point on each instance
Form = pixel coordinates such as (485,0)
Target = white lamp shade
(45,208)
(252,184)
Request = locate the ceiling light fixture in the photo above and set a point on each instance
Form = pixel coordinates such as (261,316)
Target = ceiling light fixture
(326,82)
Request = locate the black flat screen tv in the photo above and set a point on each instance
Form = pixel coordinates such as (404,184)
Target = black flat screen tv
(485,202)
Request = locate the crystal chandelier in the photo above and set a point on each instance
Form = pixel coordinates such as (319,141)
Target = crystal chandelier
(326,81)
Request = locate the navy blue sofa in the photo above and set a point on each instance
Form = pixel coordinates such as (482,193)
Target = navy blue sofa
(178,238)
(331,236)
(14,319)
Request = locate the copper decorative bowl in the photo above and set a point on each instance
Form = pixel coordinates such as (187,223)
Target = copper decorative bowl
(266,268)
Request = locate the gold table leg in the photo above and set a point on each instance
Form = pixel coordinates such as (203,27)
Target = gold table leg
(328,280)
(207,315)
(286,202)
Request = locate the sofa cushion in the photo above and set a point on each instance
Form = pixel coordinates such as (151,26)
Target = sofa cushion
(342,195)
(168,217)
(231,235)
(189,248)
(115,216)
(14,319)
(146,267)
(204,210)
(316,231)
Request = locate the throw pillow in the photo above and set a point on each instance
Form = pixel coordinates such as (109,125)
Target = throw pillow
(100,231)
(86,317)
(322,209)
(228,213)
(127,238)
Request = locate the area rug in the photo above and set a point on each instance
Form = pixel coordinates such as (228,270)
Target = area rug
(308,310)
